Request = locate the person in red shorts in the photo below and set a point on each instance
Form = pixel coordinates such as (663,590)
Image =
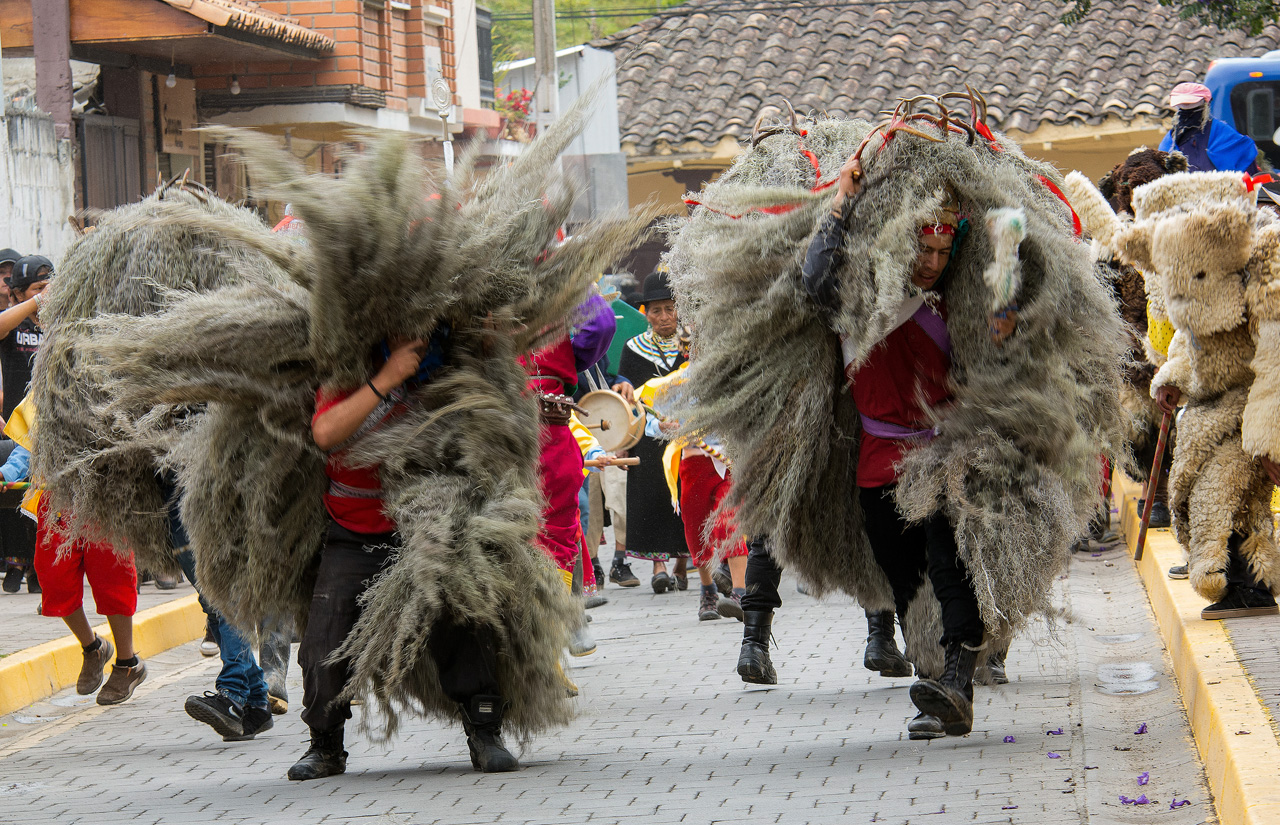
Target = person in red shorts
(114,583)
(63,570)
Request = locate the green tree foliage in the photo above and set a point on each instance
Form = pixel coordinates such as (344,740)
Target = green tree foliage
(1250,16)
(577,21)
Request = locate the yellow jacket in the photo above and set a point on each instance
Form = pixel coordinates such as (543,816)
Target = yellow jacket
(19,427)
(649,395)
(586,441)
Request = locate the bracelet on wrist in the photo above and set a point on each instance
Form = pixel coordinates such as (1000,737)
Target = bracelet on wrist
(376,391)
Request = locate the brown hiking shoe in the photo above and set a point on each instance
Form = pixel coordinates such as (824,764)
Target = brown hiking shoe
(121,683)
(94,664)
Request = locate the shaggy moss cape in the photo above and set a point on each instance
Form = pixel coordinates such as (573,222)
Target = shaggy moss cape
(87,454)
(389,252)
(1015,464)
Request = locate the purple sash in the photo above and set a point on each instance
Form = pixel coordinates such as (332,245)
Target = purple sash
(934,327)
(895,432)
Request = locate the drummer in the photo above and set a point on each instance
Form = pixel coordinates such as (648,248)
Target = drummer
(654,530)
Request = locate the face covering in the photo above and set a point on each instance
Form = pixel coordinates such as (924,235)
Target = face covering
(1188,122)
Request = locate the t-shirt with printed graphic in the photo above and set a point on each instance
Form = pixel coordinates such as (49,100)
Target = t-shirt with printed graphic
(17,352)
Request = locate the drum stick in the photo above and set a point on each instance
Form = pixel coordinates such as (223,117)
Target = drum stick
(617,462)
(1153,481)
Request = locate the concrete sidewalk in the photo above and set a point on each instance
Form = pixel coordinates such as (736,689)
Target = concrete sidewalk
(1229,675)
(39,657)
(667,733)
(21,627)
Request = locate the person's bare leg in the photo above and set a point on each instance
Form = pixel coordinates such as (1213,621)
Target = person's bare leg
(122,632)
(78,624)
(704,575)
(659,567)
(682,566)
(738,571)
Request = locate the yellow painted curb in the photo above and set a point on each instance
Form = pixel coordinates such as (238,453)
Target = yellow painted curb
(41,671)
(1216,691)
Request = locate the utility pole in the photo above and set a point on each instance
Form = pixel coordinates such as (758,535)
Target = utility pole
(547,92)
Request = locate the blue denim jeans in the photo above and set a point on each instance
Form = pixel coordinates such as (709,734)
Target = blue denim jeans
(584,508)
(240,679)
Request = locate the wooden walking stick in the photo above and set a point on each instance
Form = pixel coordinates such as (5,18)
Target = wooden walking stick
(1153,482)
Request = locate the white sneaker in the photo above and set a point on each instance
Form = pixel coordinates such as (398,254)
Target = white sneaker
(208,647)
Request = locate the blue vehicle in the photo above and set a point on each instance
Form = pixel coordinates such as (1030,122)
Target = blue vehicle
(1246,94)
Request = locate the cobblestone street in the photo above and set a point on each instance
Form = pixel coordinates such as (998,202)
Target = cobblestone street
(667,733)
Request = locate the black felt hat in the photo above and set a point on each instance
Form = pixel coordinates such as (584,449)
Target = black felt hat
(657,287)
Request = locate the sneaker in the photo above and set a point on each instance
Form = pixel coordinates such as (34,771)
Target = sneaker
(167,582)
(707,606)
(1241,602)
(662,582)
(1179,571)
(621,575)
(722,578)
(730,606)
(95,663)
(13,579)
(599,571)
(581,642)
(220,712)
(594,600)
(255,721)
(208,647)
(121,683)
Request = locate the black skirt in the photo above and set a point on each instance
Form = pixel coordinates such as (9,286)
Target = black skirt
(654,530)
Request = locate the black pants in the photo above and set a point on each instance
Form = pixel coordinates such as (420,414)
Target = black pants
(1238,572)
(907,551)
(763,577)
(464,654)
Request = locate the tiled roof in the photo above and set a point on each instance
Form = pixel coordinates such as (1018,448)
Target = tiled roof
(247,16)
(706,75)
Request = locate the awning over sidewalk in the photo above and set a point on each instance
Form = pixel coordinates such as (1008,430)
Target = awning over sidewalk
(200,31)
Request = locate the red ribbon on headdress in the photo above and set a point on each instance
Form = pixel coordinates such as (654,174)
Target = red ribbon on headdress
(938,229)
(1252,182)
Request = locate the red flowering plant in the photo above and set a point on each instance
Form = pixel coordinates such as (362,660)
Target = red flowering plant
(515,107)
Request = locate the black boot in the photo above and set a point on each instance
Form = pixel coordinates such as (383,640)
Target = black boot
(482,720)
(753,661)
(951,697)
(324,758)
(882,651)
(995,667)
(925,726)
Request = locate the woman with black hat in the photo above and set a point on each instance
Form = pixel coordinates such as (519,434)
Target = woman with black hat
(654,530)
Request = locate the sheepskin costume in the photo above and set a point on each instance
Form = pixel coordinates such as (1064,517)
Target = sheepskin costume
(1140,306)
(1015,462)
(389,252)
(1215,258)
(134,262)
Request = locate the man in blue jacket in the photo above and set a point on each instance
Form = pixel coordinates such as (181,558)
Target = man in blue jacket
(1209,144)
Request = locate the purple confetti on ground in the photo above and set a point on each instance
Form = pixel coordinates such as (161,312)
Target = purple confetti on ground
(1178,803)
(1142,800)
(1009,740)
(1090,767)
(1008,807)
(1053,755)
(1141,729)
(1144,777)
(1095,555)
(1057,732)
